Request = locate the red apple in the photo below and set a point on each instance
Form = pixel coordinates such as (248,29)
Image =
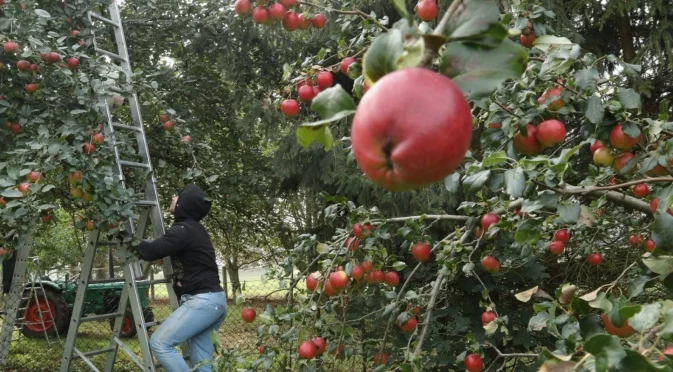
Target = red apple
(164,117)
(23,188)
(596,145)
(53,57)
(622,141)
(16,128)
(23,65)
(402,149)
(242,7)
(380,358)
(3,202)
(624,331)
(421,252)
(556,247)
(88,148)
(550,133)
(657,171)
(410,325)
(288,3)
(307,350)
(277,11)
(640,190)
(248,314)
(11,47)
(303,22)
(489,219)
(416,309)
(527,145)
(392,279)
(345,63)
(376,277)
(318,21)
(312,281)
(34,176)
(474,363)
(362,231)
(357,272)
(650,245)
(74,33)
(487,317)
(622,160)
(260,14)
(320,344)
(527,40)
(352,243)
(490,264)
(46,218)
(32,88)
(427,10)
(603,157)
(654,204)
(338,279)
(636,240)
(553,95)
(305,92)
(324,80)
(76,192)
(291,21)
(595,259)
(316,91)
(33,68)
(75,177)
(367,266)
(168,125)
(186,139)
(562,236)
(290,108)
(98,138)
(261,349)
(73,63)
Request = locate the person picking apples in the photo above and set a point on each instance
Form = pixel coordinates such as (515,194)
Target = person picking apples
(203,303)
(8,262)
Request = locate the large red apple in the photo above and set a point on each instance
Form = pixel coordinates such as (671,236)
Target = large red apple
(291,21)
(367,266)
(186,139)
(487,317)
(357,272)
(527,145)
(338,279)
(553,95)
(23,65)
(410,325)
(248,314)
(595,259)
(650,245)
(73,63)
(312,281)
(474,363)
(550,133)
(362,231)
(376,277)
(603,157)
(641,190)
(556,247)
(329,290)
(562,236)
(622,141)
(427,10)
(636,239)
(53,57)
(490,264)
(320,344)
(318,21)
(11,47)
(277,11)
(305,92)
(260,14)
(290,108)
(88,148)
(392,279)
(324,80)
(345,64)
(528,40)
(622,160)
(307,350)
(403,149)
(303,22)
(242,7)
(489,219)
(421,251)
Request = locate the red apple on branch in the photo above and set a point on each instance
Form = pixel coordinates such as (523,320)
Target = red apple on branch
(474,363)
(421,251)
(260,14)
(427,10)
(362,231)
(307,350)
(10,47)
(556,247)
(550,133)
(562,236)
(487,317)
(242,7)
(490,264)
(527,145)
(622,141)
(290,108)
(318,21)
(248,314)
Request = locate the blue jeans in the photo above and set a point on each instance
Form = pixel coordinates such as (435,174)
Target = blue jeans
(194,321)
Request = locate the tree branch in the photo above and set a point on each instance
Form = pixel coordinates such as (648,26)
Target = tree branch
(357,12)
(439,31)
(448,217)
(617,197)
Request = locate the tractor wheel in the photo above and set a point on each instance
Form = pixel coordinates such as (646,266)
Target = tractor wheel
(128,326)
(37,317)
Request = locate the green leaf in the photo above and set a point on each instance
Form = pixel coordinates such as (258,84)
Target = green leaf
(646,318)
(476,181)
(399,266)
(637,285)
(401,7)
(569,213)
(528,232)
(479,22)
(635,361)
(322,248)
(478,71)
(333,101)
(452,182)
(662,265)
(54,148)
(607,350)
(412,55)
(587,79)
(539,321)
(515,182)
(12,193)
(595,111)
(548,42)
(42,13)
(381,57)
(667,331)
(316,132)
(495,158)
(629,99)
(662,231)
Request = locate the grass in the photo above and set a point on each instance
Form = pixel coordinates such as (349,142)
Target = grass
(40,355)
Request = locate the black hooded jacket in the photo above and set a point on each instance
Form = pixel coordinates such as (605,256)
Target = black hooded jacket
(188,245)
(7,272)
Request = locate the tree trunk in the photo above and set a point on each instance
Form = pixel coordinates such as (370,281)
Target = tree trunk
(232,270)
(626,37)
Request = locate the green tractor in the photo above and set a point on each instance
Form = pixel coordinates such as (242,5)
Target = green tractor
(101,298)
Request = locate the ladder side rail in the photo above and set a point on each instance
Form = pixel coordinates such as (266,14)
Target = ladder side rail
(14,299)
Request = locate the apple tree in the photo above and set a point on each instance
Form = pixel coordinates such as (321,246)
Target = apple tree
(557,254)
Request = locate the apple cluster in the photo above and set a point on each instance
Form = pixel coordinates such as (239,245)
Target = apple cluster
(278,12)
(548,133)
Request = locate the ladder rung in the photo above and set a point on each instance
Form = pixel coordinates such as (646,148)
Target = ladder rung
(134,164)
(79,354)
(108,242)
(103,281)
(146,203)
(101,18)
(94,318)
(91,353)
(151,282)
(126,127)
(110,54)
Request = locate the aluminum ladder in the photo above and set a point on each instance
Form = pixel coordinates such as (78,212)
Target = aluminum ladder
(149,213)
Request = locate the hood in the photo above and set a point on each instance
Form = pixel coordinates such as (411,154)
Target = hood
(193,204)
